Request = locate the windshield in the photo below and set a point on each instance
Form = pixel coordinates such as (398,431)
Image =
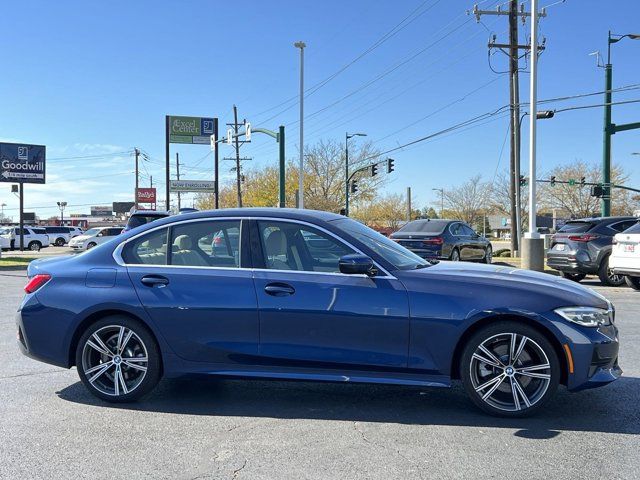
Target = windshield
(92,231)
(5,231)
(395,254)
(424,226)
(575,227)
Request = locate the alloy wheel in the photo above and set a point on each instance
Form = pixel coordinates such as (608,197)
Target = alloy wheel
(115,360)
(510,372)
(455,256)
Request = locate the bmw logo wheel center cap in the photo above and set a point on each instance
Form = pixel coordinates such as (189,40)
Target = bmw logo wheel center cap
(509,371)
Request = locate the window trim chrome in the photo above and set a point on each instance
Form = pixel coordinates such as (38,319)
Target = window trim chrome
(117,252)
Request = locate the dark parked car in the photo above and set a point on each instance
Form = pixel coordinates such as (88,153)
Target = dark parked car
(435,239)
(142,217)
(582,247)
(307,295)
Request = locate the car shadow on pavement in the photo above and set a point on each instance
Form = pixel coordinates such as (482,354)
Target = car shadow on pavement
(611,409)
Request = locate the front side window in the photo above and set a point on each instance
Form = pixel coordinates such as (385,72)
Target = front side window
(214,243)
(291,246)
(149,249)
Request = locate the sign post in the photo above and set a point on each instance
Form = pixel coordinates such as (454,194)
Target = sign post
(22,163)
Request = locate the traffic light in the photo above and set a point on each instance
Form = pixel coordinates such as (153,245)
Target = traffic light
(374,170)
(354,186)
(553,181)
(523,181)
(390,165)
(597,191)
(582,181)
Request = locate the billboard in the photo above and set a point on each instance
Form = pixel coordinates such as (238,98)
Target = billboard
(121,208)
(146,195)
(101,211)
(192,186)
(22,163)
(194,130)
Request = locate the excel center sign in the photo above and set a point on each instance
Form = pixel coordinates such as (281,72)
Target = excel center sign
(194,130)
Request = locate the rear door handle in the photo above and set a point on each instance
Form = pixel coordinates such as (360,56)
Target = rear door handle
(154,281)
(279,289)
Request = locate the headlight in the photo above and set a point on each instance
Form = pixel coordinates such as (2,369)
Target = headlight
(587,316)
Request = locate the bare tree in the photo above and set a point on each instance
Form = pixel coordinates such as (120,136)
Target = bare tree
(469,201)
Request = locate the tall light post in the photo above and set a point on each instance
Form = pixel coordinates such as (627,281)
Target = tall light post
(62,206)
(609,128)
(2,205)
(301,46)
(347,136)
(441,190)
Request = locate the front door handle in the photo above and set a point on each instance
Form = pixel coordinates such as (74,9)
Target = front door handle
(154,281)
(279,289)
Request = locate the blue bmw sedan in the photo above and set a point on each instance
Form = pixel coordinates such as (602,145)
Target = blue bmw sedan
(306,295)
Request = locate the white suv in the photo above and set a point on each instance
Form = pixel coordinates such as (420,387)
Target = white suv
(93,237)
(60,236)
(35,238)
(625,255)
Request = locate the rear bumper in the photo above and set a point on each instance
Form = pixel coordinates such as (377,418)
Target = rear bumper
(572,262)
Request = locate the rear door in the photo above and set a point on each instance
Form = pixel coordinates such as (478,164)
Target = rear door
(202,299)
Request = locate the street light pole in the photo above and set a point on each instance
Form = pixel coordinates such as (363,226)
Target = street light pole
(301,46)
(61,206)
(609,128)
(347,136)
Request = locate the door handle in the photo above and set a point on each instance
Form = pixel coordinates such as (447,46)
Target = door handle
(279,289)
(154,281)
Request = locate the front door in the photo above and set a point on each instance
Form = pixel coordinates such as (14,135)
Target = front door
(188,278)
(311,315)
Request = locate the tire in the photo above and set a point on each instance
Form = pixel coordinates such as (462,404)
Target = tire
(59,242)
(455,255)
(496,379)
(98,359)
(35,246)
(607,277)
(633,282)
(575,277)
(91,245)
(488,255)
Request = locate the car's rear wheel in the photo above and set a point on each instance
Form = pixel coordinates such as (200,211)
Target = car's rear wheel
(633,282)
(59,242)
(606,275)
(91,245)
(509,369)
(488,255)
(35,246)
(118,359)
(576,277)
(455,255)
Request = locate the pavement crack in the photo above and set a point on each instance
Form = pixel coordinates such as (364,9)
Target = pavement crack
(237,471)
(31,374)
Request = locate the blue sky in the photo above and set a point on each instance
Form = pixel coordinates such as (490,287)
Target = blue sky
(97,78)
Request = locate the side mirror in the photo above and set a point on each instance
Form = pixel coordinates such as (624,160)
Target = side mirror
(356,264)
(100,235)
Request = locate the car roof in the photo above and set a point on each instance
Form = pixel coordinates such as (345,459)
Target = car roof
(150,213)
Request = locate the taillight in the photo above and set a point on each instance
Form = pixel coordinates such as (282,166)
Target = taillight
(433,241)
(585,237)
(36,282)
(217,241)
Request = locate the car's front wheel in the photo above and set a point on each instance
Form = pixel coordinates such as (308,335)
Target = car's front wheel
(455,255)
(633,282)
(118,359)
(509,369)
(488,255)
(91,245)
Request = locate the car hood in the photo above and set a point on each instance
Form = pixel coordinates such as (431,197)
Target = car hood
(508,283)
(80,238)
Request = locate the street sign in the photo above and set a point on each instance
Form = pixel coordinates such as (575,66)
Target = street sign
(22,163)
(572,181)
(200,186)
(194,130)
(146,195)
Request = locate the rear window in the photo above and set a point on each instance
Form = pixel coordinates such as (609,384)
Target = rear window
(575,227)
(633,229)
(424,226)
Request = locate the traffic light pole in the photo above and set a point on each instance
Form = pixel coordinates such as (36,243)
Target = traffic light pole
(606,154)
(346,175)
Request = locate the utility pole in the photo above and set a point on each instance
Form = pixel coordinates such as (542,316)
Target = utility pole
(408,204)
(135,195)
(237,159)
(512,51)
(178,176)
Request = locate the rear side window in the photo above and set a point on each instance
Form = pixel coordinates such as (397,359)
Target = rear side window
(214,243)
(149,249)
(622,226)
(635,228)
(423,226)
(40,231)
(575,227)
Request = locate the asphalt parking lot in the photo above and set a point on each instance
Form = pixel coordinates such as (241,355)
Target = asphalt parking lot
(50,427)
